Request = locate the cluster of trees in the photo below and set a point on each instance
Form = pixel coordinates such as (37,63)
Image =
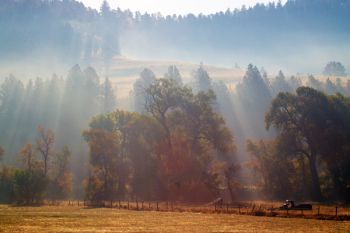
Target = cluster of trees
(179,148)
(54,103)
(301,174)
(176,141)
(64,105)
(43,173)
(330,87)
(67,31)
(283,21)
(334,68)
(256,92)
(311,151)
(326,110)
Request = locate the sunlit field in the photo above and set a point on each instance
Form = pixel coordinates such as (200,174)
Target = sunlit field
(79,219)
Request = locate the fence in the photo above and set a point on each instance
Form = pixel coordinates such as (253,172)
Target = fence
(319,211)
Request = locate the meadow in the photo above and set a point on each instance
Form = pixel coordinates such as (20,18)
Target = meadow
(83,219)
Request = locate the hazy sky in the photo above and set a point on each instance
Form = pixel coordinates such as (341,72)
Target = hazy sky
(176,6)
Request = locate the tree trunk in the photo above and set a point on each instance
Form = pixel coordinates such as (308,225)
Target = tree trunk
(339,189)
(121,187)
(316,190)
(230,189)
(303,172)
(45,166)
(168,135)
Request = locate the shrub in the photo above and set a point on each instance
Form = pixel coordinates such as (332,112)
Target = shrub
(29,186)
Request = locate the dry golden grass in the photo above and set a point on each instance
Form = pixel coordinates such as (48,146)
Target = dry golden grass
(79,219)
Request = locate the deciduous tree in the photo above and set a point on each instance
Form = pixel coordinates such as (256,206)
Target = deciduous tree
(44,146)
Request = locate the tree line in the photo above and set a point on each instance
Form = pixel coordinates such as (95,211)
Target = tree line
(63,105)
(74,33)
(311,151)
(311,171)
(180,141)
(42,173)
(173,151)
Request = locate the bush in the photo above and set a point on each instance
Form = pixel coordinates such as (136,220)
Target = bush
(29,186)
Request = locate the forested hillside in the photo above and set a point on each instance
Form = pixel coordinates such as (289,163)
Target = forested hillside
(273,35)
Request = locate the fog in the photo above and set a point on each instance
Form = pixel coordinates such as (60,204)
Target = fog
(61,64)
(275,36)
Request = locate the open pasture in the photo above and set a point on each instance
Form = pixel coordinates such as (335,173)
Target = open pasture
(83,219)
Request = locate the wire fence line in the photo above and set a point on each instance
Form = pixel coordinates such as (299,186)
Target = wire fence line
(319,211)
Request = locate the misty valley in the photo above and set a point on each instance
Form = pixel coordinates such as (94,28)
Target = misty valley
(224,113)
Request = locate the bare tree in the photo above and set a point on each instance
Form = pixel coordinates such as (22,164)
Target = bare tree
(44,145)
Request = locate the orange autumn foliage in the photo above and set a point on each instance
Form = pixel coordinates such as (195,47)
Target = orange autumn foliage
(181,172)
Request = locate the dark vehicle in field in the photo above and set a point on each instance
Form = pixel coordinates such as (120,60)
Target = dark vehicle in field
(290,205)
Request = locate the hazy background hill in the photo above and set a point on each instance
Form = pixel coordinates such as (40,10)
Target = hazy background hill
(276,36)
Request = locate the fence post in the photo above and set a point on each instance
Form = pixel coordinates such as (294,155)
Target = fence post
(227,208)
(253,209)
(215,207)
(336,211)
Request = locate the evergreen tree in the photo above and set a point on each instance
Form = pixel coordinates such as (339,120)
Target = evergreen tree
(202,79)
(146,79)
(109,98)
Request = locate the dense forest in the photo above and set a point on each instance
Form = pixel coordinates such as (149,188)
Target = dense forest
(178,141)
(263,34)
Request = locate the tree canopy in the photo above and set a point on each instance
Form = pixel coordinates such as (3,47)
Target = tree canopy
(179,138)
(315,127)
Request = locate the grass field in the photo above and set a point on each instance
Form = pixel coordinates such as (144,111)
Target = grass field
(79,219)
